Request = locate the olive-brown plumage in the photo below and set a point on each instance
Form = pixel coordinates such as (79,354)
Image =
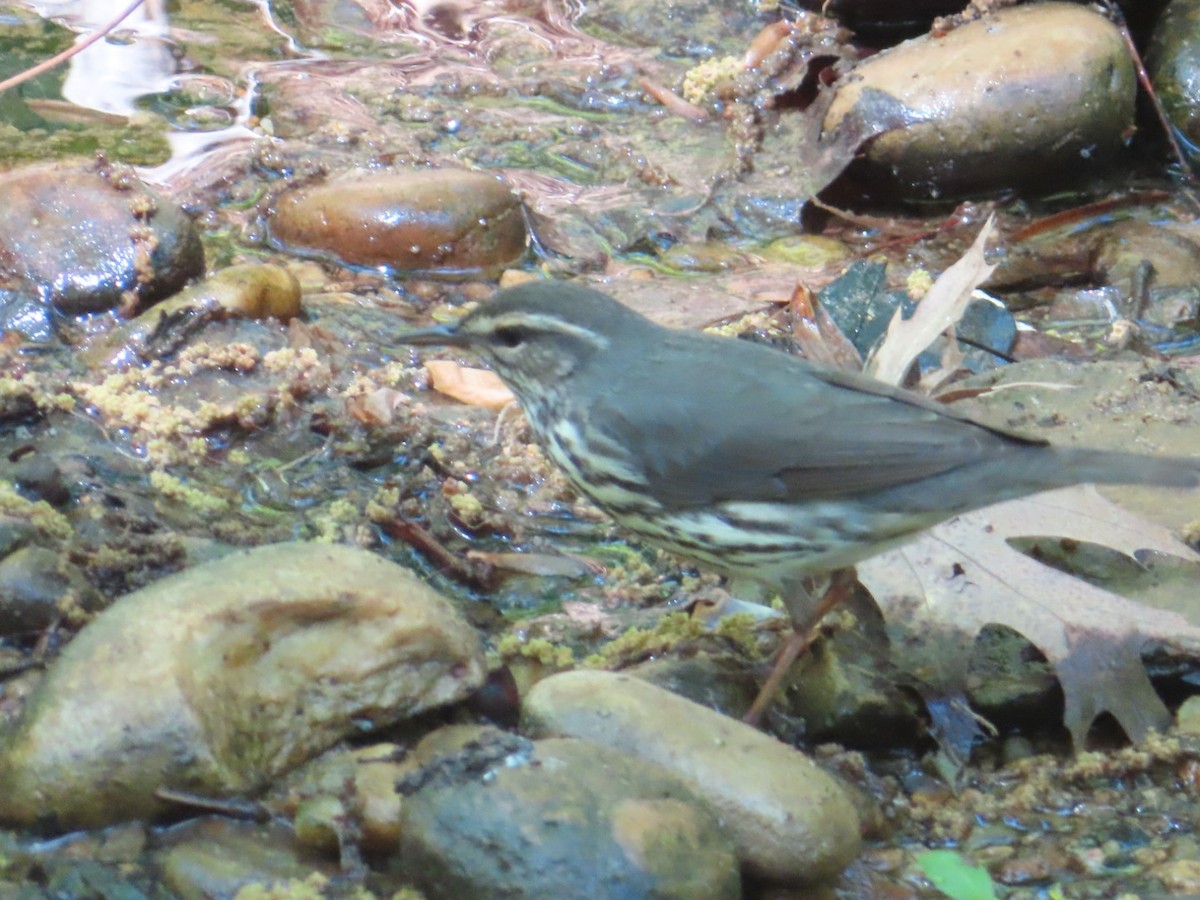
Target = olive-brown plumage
(743,458)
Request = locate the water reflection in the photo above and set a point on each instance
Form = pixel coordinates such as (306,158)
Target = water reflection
(113,73)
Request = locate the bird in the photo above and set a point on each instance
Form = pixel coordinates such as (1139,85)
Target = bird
(744,459)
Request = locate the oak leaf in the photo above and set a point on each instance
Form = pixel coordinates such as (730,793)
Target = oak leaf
(938,592)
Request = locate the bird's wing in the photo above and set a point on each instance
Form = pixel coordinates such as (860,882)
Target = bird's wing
(783,429)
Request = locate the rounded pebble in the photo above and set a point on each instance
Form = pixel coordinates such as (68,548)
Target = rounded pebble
(791,821)
(450,221)
(220,678)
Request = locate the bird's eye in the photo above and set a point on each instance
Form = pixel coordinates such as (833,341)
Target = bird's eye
(509,336)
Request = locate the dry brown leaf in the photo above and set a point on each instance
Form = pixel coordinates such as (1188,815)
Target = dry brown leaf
(818,335)
(477,387)
(939,591)
(939,309)
(378,407)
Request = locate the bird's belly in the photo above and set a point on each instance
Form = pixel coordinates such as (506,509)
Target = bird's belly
(774,542)
(599,471)
(766,541)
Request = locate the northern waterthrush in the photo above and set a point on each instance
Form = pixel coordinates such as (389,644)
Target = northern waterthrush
(744,459)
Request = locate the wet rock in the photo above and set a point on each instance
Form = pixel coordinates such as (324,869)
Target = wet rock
(25,315)
(500,816)
(709,257)
(220,678)
(1028,97)
(79,240)
(245,292)
(1173,58)
(36,476)
(38,588)
(1187,718)
(361,783)
(813,250)
(715,683)
(843,695)
(14,533)
(790,820)
(450,221)
(219,857)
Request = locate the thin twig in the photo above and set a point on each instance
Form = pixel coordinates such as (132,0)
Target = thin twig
(47,65)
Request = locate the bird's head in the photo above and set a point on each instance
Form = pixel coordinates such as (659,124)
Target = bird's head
(538,334)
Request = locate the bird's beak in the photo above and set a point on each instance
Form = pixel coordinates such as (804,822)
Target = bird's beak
(437,336)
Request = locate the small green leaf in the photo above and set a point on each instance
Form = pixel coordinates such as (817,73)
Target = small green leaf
(955,877)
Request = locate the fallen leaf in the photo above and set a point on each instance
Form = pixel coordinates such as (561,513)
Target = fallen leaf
(378,407)
(477,387)
(938,592)
(940,309)
(818,335)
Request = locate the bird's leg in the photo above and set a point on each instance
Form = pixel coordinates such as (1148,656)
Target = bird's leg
(806,614)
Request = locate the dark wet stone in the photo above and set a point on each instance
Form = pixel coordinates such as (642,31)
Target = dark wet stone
(38,477)
(26,315)
(450,221)
(1030,97)
(561,818)
(1173,58)
(34,583)
(80,240)
(883,15)
(13,534)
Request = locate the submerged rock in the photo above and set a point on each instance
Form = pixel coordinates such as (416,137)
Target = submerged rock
(39,587)
(248,291)
(220,678)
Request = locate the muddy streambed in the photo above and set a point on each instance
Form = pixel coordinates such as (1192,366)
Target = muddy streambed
(279,616)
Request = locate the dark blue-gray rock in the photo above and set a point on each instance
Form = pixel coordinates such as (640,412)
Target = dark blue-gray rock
(85,241)
(501,816)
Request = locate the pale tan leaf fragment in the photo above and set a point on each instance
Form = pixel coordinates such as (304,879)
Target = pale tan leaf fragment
(477,387)
(939,309)
(545,564)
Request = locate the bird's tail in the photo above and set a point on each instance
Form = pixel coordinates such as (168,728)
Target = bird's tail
(1077,465)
